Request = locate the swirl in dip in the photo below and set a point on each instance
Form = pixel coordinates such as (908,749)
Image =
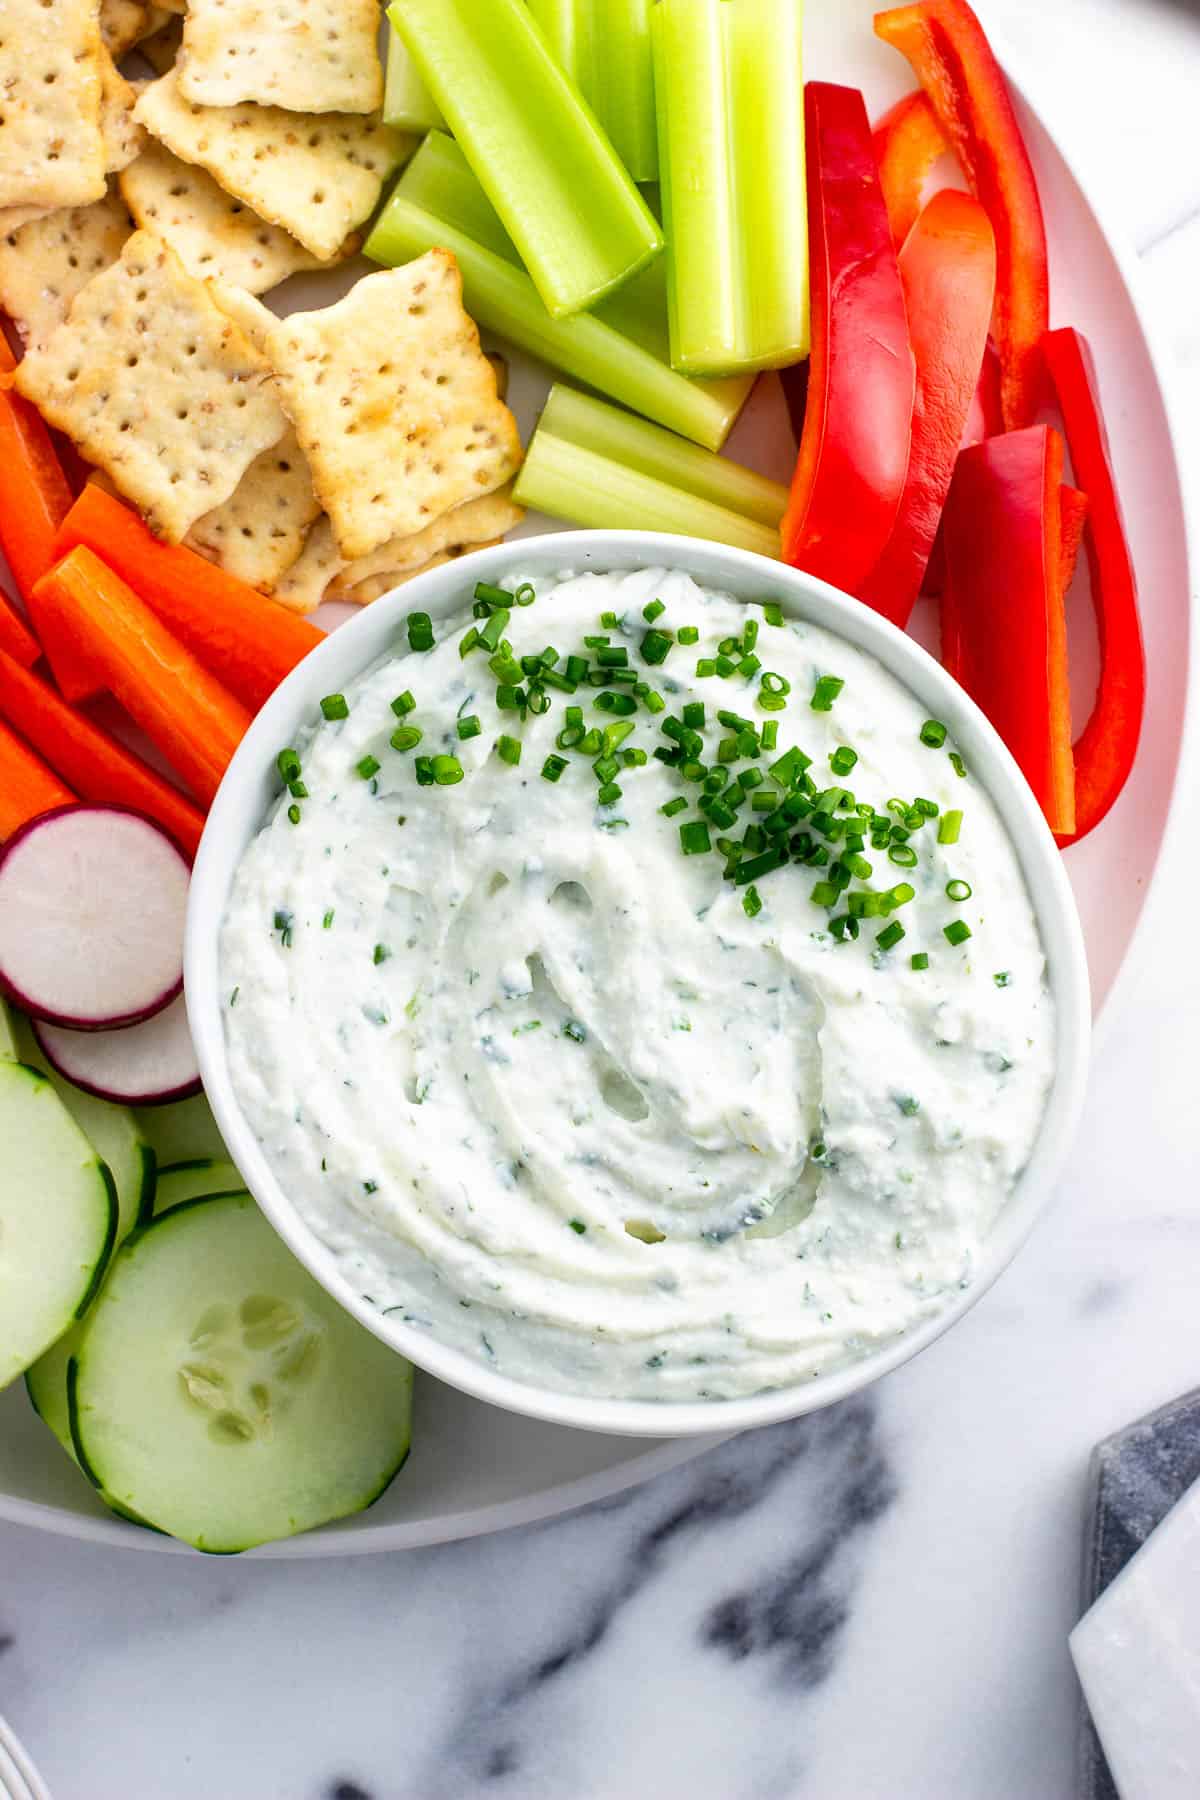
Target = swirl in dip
(554,1091)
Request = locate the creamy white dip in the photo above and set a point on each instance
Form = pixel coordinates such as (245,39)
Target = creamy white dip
(552,1096)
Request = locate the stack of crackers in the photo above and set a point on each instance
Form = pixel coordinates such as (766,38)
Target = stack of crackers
(325,455)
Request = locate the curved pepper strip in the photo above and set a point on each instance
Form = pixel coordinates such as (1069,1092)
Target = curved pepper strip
(861,381)
(948,268)
(953,61)
(1004,627)
(1106,749)
(908,141)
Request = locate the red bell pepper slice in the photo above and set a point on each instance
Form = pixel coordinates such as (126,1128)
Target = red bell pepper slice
(1004,627)
(1106,749)
(908,141)
(861,381)
(948,268)
(953,61)
(1073,503)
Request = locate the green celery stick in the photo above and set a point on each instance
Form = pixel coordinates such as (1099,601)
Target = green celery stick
(730,96)
(579,419)
(500,296)
(579,223)
(407,103)
(604,46)
(595,466)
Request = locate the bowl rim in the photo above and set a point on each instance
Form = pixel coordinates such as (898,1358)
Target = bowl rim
(248,789)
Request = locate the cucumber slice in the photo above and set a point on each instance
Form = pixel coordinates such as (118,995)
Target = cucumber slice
(181,1130)
(113,1131)
(8,1038)
(199,1178)
(58,1218)
(221,1395)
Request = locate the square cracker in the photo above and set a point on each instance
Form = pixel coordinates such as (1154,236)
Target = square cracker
(322,573)
(122,23)
(160,46)
(316,177)
(43,265)
(260,530)
(157,386)
(378,585)
(310,56)
(394,403)
(123,138)
(214,236)
(51,148)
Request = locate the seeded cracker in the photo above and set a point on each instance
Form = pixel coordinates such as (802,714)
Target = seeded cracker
(394,403)
(368,591)
(122,23)
(214,235)
(122,137)
(43,265)
(316,177)
(51,148)
(161,46)
(260,530)
(322,573)
(311,56)
(157,386)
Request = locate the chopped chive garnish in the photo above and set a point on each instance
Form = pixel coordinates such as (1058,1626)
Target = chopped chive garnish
(677,805)
(469,727)
(751,904)
(493,629)
(420,631)
(656,646)
(958,891)
(957,763)
(369,766)
(575,669)
(538,702)
(773,613)
(380,954)
(553,767)
(825,693)
(729,646)
(615,658)
(577,1226)
(297,790)
(933,733)
(288,764)
(615,703)
(843,759)
(508,749)
(447,771)
(920,960)
(903,855)
(725,666)
(949,827)
(750,634)
(653,701)
(749,665)
(694,714)
(688,634)
(604,768)
(609,794)
(552,678)
(706,666)
(575,1031)
(334,706)
(1003,978)
(694,839)
(509,698)
(749,869)
(900,895)
(467,642)
(403,703)
(327,921)
(653,611)
(526,594)
(294,813)
(423,770)
(609,620)
(957,932)
(494,596)
(405,737)
(891,935)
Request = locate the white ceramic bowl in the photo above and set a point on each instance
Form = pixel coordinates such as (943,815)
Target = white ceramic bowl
(251,786)
(19,1780)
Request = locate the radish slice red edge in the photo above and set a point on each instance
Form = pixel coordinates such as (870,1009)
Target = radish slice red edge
(92,904)
(142,1065)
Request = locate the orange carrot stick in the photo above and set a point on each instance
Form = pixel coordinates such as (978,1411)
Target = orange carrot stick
(27,787)
(195,722)
(34,501)
(249,642)
(98,768)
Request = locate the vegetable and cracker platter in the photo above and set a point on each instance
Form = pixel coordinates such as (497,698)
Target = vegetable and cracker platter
(650,201)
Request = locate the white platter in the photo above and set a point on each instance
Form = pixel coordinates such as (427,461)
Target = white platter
(474,1469)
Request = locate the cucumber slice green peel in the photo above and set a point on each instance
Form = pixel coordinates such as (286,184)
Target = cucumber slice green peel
(221,1395)
(197,1178)
(58,1218)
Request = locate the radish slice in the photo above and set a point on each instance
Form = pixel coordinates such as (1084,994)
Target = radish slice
(141,1065)
(92,903)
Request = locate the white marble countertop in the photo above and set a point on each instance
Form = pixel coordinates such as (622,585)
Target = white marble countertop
(870,1603)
